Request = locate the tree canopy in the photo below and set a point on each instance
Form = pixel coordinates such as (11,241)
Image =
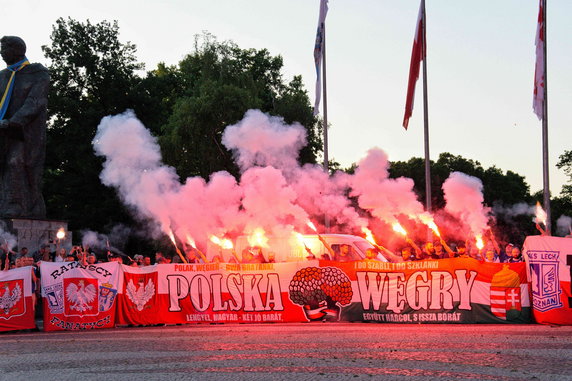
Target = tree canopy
(92,75)
(219,83)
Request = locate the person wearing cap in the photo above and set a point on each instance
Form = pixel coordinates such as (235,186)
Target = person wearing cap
(514,255)
(91,258)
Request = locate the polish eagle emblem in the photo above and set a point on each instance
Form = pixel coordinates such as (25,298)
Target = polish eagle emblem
(80,296)
(140,295)
(10,298)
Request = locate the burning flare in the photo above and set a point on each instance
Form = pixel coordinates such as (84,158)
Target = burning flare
(61,234)
(224,243)
(172,237)
(312,226)
(428,220)
(399,229)
(300,238)
(369,235)
(191,242)
(479,242)
(258,238)
(540,214)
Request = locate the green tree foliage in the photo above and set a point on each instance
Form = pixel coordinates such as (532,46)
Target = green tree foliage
(92,75)
(220,82)
(565,163)
(506,188)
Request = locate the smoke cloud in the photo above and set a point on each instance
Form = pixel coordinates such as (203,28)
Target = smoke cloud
(464,198)
(564,226)
(7,239)
(273,192)
(263,140)
(383,197)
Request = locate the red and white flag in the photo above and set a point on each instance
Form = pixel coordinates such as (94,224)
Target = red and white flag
(539,89)
(417,55)
(319,51)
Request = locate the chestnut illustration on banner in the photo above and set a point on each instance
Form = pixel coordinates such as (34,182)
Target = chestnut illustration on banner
(321,292)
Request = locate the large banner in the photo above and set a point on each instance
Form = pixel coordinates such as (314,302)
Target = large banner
(444,291)
(460,290)
(79,297)
(210,293)
(16,300)
(549,261)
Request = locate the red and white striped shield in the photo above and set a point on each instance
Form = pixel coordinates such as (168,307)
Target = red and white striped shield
(504,299)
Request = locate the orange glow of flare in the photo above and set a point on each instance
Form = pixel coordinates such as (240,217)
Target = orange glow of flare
(300,239)
(191,241)
(540,214)
(368,235)
(172,237)
(227,244)
(479,242)
(428,220)
(399,229)
(61,234)
(224,243)
(434,227)
(258,238)
(312,226)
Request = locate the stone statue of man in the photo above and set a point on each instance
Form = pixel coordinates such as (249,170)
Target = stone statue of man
(23,113)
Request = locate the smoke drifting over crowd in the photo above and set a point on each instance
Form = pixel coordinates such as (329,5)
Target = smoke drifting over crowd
(274,192)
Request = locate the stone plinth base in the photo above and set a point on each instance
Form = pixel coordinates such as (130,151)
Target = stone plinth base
(32,233)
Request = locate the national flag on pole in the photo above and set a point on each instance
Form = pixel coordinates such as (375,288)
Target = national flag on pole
(539,89)
(319,51)
(417,55)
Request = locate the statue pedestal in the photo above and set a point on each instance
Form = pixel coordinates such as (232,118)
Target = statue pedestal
(31,233)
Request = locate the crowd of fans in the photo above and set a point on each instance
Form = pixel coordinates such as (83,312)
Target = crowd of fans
(491,252)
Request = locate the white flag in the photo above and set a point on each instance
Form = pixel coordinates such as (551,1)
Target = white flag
(539,89)
(319,51)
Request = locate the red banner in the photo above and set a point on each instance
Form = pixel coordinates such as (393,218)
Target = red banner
(443,291)
(16,299)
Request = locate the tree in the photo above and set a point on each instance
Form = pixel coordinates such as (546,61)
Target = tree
(92,75)
(220,82)
(565,163)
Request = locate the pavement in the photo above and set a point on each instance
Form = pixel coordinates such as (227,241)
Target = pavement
(305,351)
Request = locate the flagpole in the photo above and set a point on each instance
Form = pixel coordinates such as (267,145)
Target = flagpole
(426,117)
(545,167)
(325,101)
(325,120)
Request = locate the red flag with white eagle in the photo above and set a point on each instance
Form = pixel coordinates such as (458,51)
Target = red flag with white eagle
(417,55)
(539,84)
(16,301)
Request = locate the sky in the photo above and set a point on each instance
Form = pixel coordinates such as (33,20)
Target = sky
(480,62)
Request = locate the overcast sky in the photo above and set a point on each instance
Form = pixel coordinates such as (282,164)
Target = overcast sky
(480,61)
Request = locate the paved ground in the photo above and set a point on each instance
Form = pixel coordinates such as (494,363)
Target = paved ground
(320,351)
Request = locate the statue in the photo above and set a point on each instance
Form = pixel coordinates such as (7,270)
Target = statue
(23,113)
